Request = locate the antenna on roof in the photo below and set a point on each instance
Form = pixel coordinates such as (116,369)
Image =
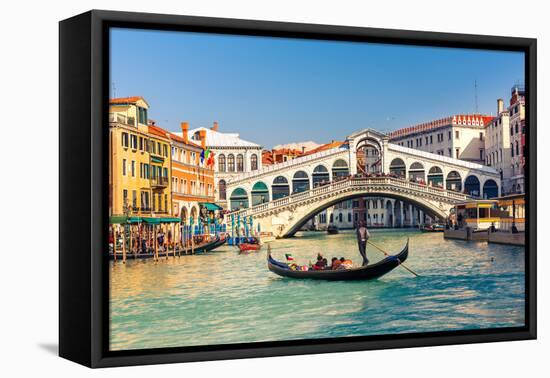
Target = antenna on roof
(114,89)
(475,91)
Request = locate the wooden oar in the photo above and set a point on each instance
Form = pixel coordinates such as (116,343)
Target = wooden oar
(387,254)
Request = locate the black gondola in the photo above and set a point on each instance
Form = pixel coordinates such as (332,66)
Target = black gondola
(368,272)
(198,249)
(332,229)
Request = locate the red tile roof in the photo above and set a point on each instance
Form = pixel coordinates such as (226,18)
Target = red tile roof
(126,100)
(323,147)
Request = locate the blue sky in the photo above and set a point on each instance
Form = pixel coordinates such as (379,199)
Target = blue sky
(278,90)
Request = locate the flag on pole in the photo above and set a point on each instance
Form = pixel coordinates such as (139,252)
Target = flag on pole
(202,156)
(289,257)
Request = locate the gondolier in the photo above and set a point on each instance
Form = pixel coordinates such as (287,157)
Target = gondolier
(362,237)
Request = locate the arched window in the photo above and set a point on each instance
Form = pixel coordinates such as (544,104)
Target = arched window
(239,199)
(416,172)
(230,163)
(397,167)
(240,163)
(221,163)
(454,181)
(254,162)
(320,176)
(435,177)
(339,169)
(222,186)
(300,182)
(490,189)
(260,193)
(280,187)
(472,186)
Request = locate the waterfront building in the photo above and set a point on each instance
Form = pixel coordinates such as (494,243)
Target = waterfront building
(497,145)
(234,157)
(459,136)
(280,155)
(517,139)
(139,164)
(192,177)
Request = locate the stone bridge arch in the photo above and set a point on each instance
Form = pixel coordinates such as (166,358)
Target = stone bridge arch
(302,214)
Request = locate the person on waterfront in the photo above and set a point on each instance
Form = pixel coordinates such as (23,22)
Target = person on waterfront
(362,238)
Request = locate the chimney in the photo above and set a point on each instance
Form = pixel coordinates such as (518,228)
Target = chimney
(202,136)
(184,131)
(303,149)
(500,106)
(214,127)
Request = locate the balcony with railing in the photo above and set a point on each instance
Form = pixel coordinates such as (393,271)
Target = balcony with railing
(159,182)
(121,118)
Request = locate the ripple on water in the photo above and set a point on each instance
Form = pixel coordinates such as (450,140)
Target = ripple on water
(223,297)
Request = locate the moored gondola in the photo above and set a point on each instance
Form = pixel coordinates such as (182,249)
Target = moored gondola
(201,248)
(368,272)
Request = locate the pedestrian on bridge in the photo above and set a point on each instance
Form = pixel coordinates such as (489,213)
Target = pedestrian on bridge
(362,237)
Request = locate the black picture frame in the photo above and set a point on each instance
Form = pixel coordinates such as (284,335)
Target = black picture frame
(83,167)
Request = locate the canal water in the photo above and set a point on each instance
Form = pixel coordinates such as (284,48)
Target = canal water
(222,297)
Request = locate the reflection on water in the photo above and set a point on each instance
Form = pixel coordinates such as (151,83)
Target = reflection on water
(222,297)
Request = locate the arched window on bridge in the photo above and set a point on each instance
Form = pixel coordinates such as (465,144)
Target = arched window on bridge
(417,173)
(320,176)
(454,181)
(300,182)
(471,186)
(222,189)
(239,199)
(435,177)
(490,189)
(340,169)
(397,167)
(280,188)
(221,163)
(260,193)
(231,163)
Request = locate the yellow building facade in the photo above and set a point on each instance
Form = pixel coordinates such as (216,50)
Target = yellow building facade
(139,164)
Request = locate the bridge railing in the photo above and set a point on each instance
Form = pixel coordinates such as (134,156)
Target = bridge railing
(352,183)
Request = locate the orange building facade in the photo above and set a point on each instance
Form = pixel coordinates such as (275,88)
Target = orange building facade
(192,179)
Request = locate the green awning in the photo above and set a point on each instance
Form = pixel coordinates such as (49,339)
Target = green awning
(135,219)
(170,220)
(155,159)
(210,206)
(118,219)
(151,220)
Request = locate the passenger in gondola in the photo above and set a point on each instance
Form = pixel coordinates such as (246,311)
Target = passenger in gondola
(345,264)
(335,263)
(320,264)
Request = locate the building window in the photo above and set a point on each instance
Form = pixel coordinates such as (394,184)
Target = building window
(431,139)
(517,128)
(517,148)
(124,139)
(512,149)
(133,168)
(450,152)
(240,163)
(450,136)
(231,163)
(141,143)
(124,197)
(481,137)
(457,134)
(142,116)
(134,199)
(221,163)
(165,150)
(123,167)
(481,154)
(254,162)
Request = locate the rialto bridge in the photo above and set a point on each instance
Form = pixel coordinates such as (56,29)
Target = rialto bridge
(283,197)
